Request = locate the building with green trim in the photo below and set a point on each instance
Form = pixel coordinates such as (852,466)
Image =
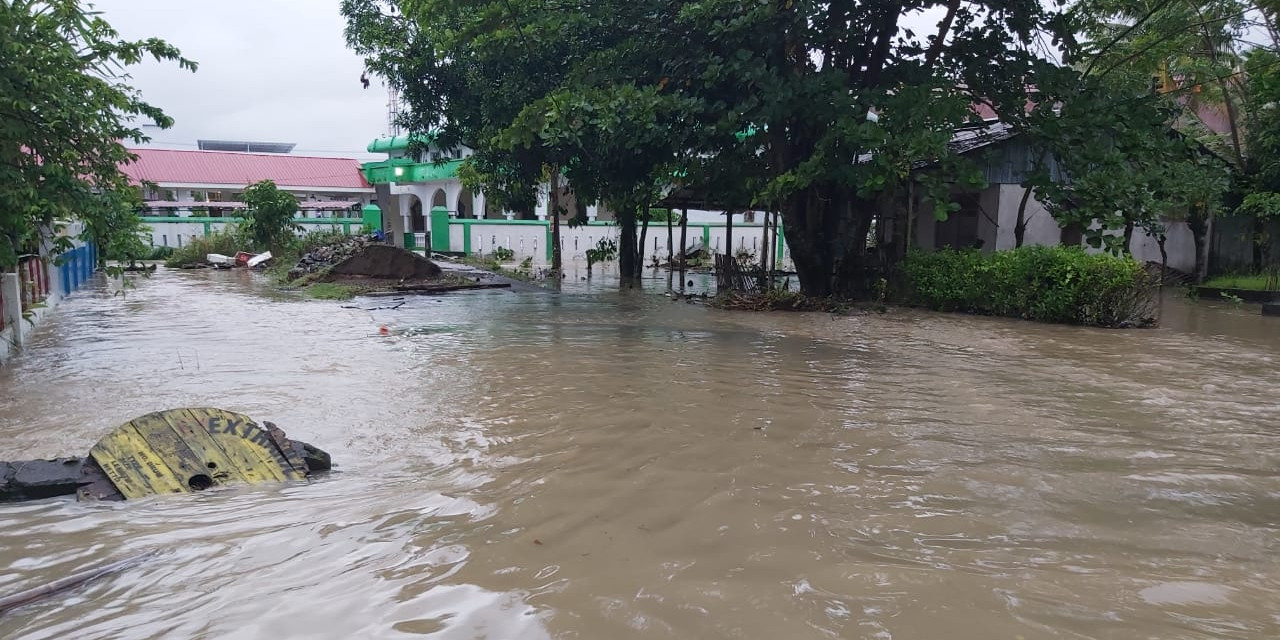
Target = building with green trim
(192,193)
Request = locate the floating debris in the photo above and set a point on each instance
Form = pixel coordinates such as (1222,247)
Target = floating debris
(175,451)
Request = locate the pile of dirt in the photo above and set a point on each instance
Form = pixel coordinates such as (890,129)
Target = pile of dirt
(386,262)
(323,258)
(364,257)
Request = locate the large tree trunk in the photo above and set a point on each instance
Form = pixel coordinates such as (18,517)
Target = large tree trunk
(1198,222)
(1020,225)
(644,233)
(1128,239)
(684,226)
(828,241)
(1259,239)
(670,239)
(728,234)
(627,268)
(554,202)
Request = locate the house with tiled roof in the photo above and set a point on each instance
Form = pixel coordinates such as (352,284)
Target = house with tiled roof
(187,192)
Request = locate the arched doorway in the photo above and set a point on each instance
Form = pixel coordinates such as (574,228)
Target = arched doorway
(438,199)
(417,221)
(465,206)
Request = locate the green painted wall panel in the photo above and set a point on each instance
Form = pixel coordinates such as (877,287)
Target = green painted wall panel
(439,229)
(372,216)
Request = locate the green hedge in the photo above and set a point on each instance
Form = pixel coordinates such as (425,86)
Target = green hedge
(1049,284)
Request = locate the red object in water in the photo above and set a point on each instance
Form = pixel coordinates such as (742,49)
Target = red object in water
(384,330)
(242,258)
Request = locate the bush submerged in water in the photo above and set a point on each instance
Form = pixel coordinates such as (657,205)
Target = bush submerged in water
(1049,284)
(226,242)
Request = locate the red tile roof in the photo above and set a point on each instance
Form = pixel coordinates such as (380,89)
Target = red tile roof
(223,167)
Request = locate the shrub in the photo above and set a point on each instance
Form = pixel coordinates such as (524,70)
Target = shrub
(227,242)
(269,217)
(1049,284)
(159,253)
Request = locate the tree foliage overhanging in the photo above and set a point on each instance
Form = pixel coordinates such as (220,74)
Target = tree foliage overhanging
(66,110)
(817,109)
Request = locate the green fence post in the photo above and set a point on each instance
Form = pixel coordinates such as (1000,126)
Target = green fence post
(439,229)
(372,216)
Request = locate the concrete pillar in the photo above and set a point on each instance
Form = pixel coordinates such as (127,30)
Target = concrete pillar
(11,289)
(477,205)
(51,273)
(544,204)
(452,195)
(593,210)
(180,195)
(404,204)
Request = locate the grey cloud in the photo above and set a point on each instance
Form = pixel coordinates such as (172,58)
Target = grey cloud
(273,70)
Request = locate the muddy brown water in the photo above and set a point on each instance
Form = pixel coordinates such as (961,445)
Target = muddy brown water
(596,465)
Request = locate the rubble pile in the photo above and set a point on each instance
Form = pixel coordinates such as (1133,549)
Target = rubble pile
(364,257)
(321,259)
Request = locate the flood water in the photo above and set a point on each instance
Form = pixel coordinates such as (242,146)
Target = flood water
(604,465)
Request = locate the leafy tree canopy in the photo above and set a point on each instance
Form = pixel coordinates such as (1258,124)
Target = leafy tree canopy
(269,219)
(66,110)
(626,95)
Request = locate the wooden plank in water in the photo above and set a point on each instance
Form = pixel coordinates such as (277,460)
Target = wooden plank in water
(189,428)
(292,452)
(248,445)
(186,464)
(184,450)
(132,466)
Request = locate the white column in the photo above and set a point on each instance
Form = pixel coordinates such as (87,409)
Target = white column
(11,289)
(477,205)
(182,194)
(544,203)
(406,222)
(593,210)
(53,276)
(452,193)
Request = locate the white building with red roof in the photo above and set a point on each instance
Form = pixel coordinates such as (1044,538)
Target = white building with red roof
(188,193)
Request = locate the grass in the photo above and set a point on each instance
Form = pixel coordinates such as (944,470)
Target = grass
(492,265)
(1256,282)
(331,291)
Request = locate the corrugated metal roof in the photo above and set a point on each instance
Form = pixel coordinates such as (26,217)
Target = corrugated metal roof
(221,167)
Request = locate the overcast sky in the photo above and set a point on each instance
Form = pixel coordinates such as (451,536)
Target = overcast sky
(270,70)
